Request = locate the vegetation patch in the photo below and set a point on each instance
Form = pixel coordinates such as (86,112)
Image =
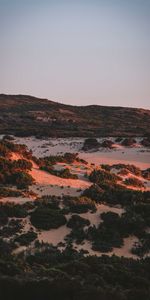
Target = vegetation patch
(133,181)
(79,204)
(13,210)
(26,238)
(128,142)
(64,173)
(131,168)
(77,221)
(90,144)
(46,218)
(101,177)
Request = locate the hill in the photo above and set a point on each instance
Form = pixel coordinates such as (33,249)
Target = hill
(24,115)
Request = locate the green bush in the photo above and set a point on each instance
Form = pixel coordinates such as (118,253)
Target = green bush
(133,181)
(26,238)
(13,210)
(46,218)
(64,173)
(102,176)
(94,192)
(79,204)
(21,179)
(76,222)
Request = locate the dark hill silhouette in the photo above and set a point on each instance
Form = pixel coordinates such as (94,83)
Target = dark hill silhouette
(26,115)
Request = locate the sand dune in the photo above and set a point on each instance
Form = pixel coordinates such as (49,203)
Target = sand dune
(45,178)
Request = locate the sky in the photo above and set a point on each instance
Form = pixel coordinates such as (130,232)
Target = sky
(77,52)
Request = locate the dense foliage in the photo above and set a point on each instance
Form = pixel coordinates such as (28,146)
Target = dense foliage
(46,218)
(68,275)
(79,204)
(15,172)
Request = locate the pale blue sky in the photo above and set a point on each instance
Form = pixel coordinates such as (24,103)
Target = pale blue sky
(77,52)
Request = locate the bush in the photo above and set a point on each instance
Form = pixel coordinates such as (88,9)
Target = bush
(146,174)
(90,144)
(133,181)
(26,238)
(49,161)
(48,201)
(77,234)
(128,142)
(7,147)
(104,238)
(106,167)
(22,164)
(21,179)
(76,222)
(14,226)
(101,176)
(142,247)
(111,219)
(107,144)
(131,168)
(3,218)
(15,172)
(13,210)
(146,142)
(64,173)
(94,192)
(7,192)
(118,139)
(46,218)
(80,204)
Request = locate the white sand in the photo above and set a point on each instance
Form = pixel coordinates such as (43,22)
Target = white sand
(54,236)
(138,155)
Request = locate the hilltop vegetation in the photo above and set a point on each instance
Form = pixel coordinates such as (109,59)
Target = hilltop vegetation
(25,116)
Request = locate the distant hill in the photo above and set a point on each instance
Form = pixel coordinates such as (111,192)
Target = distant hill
(26,115)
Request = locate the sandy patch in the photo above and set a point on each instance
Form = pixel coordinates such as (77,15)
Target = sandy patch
(45,178)
(54,236)
(17,200)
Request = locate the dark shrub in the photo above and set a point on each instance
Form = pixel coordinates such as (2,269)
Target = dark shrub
(128,142)
(90,144)
(80,204)
(101,176)
(13,210)
(146,174)
(146,142)
(26,238)
(46,218)
(3,218)
(94,192)
(107,144)
(77,222)
(22,179)
(133,181)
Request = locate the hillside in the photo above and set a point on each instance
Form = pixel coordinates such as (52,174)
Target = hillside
(26,115)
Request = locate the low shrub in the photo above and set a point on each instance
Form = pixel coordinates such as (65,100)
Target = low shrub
(26,238)
(46,218)
(77,222)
